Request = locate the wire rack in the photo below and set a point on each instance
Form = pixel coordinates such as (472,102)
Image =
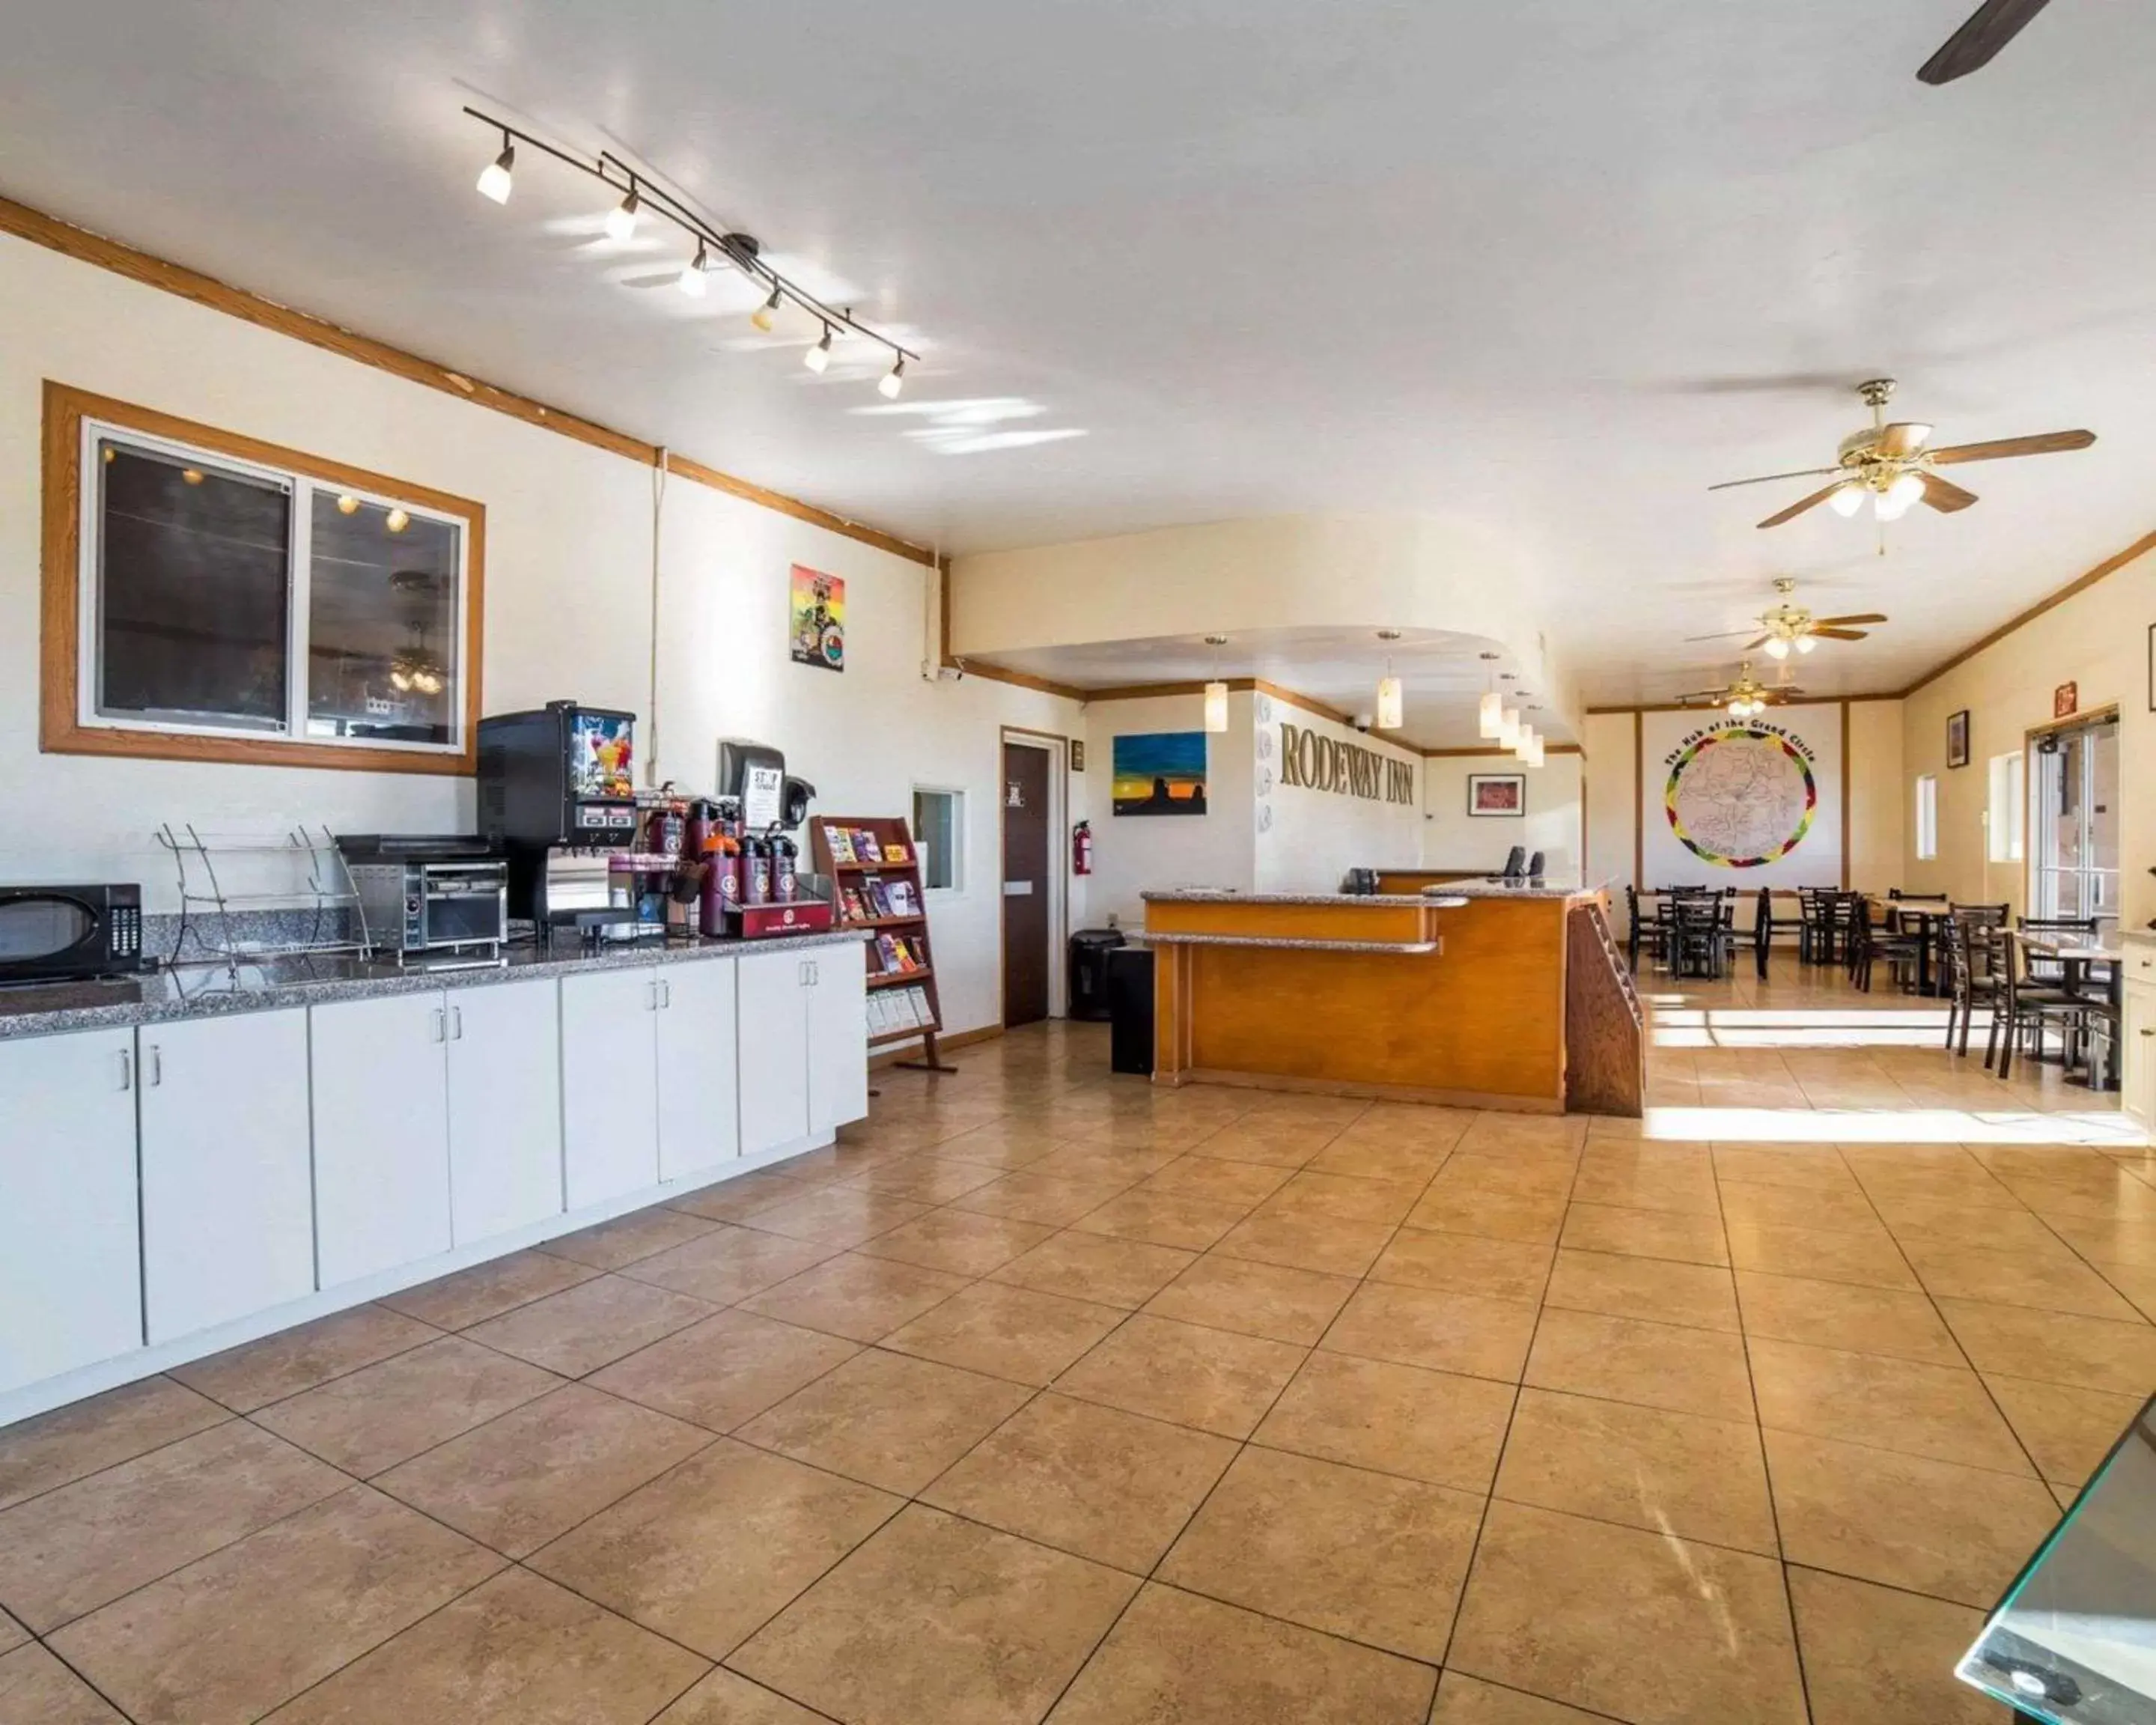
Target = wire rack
(252,893)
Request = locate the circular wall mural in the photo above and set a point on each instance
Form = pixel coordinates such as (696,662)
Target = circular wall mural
(1741,798)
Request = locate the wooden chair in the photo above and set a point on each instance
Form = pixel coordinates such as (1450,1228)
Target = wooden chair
(1869,942)
(1973,962)
(1766,927)
(1653,933)
(2030,1006)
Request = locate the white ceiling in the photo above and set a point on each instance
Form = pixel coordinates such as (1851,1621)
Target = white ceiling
(1554,265)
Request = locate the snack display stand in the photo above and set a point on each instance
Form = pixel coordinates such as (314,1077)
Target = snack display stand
(877,869)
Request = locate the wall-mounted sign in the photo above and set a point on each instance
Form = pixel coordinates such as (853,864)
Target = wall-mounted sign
(818,611)
(1077,756)
(2065,700)
(1741,796)
(1324,763)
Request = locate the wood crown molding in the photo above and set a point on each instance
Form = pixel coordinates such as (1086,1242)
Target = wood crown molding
(86,247)
(1681,706)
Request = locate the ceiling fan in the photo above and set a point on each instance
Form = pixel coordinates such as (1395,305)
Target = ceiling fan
(1792,629)
(1988,29)
(1892,465)
(1746,698)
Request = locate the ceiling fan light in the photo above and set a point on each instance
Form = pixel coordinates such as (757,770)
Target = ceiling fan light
(1847,498)
(1777,647)
(1806,644)
(1737,708)
(1490,716)
(1907,489)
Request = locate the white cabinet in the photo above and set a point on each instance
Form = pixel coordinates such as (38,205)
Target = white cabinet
(382,1134)
(227,1211)
(609,1084)
(70,1251)
(505,1051)
(699,1117)
(2138,1029)
(838,1036)
(775,1050)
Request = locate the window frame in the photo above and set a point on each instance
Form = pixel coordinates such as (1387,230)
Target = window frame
(68,721)
(957,860)
(1927,818)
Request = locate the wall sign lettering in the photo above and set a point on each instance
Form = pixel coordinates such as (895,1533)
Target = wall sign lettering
(1322,763)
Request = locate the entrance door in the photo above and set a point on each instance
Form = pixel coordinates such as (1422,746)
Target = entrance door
(2075,864)
(1026,884)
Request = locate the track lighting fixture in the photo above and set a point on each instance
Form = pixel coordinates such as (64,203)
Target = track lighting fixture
(715,245)
(494,179)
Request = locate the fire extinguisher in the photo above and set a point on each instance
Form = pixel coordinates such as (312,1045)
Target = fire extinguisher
(1082,847)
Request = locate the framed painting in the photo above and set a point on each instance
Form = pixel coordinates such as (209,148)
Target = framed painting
(1958,738)
(1159,772)
(1503,795)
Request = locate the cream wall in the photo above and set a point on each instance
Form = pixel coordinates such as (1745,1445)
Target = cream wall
(1307,840)
(2099,639)
(568,610)
(1135,853)
(1452,838)
(1611,801)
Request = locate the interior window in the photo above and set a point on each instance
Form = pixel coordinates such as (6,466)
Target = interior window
(939,834)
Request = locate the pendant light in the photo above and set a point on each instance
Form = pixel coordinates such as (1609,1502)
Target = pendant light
(1489,716)
(818,357)
(1524,744)
(493,180)
(1535,756)
(1391,698)
(1508,727)
(1216,691)
(766,315)
(621,219)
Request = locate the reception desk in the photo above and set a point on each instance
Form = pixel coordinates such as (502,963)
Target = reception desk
(1477,995)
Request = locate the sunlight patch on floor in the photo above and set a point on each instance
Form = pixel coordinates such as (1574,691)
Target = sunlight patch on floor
(1889,1126)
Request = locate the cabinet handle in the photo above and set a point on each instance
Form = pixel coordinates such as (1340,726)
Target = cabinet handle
(815,975)
(651,997)
(126,1069)
(456,1023)
(157,1065)
(441,1025)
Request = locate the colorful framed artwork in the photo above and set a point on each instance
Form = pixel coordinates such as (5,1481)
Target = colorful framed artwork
(817,615)
(1159,772)
(1958,738)
(1503,795)
(1078,753)
(2065,700)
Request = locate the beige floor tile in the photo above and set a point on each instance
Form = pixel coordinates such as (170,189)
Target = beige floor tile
(1645,1234)
(1548,1134)
(1353,1197)
(36,1689)
(886,1420)
(1638,1625)
(1534,1220)
(1175,1657)
(742,1196)
(838,1215)
(939,1618)
(584,1327)
(1109,1485)
(1304,1241)
(1278,1144)
(12,1634)
(711,1550)
(52,1449)
(1832,1314)
(640,1234)
(1010,1333)
(862,1299)
(1954,1532)
(958,1242)
(384,1413)
(730,1264)
(1376,1559)
(2055,1347)
(1646,1467)
(1032,1195)
(1376,1155)
(470,1297)
(1097,1267)
(1480,1175)
(1462,1699)
(1464,1264)
(1253,1299)
(724,1370)
(1209,1379)
(1953,1222)
(2054,1281)
(1629,1360)
(1937,1411)
(518,1481)
(1247,1184)
(1005,1144)
(515,1651)
(227,1639)
(1159,1218)
(1744,1205)
(2066,1431)
(1401,1420)
(1699,1295)
(257,1373)
(1807,1167)
(724,1698)
(1444,1332)
(923,1177)
(84,1544)
(1873,1655)
(1686,1186)
(1867,1257)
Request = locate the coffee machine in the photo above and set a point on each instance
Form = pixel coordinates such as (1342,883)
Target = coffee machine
(557,792)
(771,897)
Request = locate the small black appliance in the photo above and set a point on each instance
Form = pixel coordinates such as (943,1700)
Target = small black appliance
(61,933)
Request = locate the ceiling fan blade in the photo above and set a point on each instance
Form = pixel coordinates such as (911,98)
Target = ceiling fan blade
(1988,29)
(1754,646)
(1904,438)
(1801,505)
(1841,634)
(1819,623)
(2049,443)
(1944,494)
(1722,635)
(1768,479)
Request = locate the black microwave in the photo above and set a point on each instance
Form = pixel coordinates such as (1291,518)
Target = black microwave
(58,933)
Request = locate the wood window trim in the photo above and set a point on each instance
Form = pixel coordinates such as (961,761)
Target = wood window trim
(60,729)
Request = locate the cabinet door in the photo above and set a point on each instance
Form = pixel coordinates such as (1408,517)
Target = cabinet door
(699,1107)
(70,1251)
(775,1050)
(2137,1032)
(382,1134)
(838,1037)
(227,1198)
(504,1108)
(609,1084)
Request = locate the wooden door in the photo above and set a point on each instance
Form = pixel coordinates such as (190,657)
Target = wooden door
(1027,884)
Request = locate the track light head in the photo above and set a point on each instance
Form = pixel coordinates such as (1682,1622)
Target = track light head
(766,315)
(494,181)
(694,271)
(893,380)
(818,357)
(621,219)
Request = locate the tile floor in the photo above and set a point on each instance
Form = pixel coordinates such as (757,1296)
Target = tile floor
(1048,1396)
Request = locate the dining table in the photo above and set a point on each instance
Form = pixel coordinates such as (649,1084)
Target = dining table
(1924,917)
(2085,962)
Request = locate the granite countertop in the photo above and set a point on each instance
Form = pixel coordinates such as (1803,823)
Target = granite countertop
(189,991)
(1448,890)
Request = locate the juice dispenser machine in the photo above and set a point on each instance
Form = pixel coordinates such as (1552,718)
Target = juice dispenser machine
(557,792)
